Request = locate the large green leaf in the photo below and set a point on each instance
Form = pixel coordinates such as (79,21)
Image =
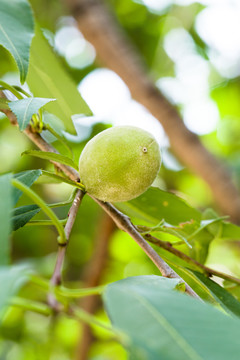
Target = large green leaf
(24,109)
(5,217)
(47,78)
(155,205)
(27,178)
(164,324)
(16,31)
(11,280)
(23,214)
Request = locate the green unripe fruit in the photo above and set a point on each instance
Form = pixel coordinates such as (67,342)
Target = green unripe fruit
(119,163)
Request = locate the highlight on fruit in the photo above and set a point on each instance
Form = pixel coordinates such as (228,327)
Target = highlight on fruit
(119,163)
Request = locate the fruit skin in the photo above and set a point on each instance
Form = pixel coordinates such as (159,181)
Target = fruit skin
(119,163)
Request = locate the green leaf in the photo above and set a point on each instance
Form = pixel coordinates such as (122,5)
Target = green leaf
(155,205)
(27,178)
(165,324)
(23,214)
(6,204)
(224,298)
(24,109)
(52,157)
(16,31)
(47,78)
(11,280)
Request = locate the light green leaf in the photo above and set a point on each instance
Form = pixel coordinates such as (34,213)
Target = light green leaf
(23,214)
(27,178)
(24,109)
(16,31)
(165,324)
(47,78)
(11,280)
(6,204)
(52,157)
(155,205)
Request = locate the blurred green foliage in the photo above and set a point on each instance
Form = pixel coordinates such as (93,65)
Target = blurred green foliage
(30,336)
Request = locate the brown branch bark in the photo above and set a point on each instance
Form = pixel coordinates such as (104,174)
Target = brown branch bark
(115,52)
(56,278)
(93,274)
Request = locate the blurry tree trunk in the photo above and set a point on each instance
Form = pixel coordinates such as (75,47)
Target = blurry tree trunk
(116,52)
(92,276)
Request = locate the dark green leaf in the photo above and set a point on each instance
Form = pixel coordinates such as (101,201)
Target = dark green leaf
(27,178)
(165,324)
(6,204)
(24,109)
(11,280)
(23,214)
(155,205)
(16,31)
(224,298)
(47,78)
(52,157)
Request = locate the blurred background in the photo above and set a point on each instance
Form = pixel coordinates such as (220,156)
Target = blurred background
(191,50)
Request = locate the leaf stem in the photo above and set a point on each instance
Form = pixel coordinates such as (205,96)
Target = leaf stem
(54,133)
(44,222)
(31,305)
(37,200)
(78,293)
(11,88)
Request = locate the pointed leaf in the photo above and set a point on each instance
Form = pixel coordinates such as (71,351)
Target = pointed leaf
(165,324)
(224,298)
(6,204)
(23,214)
(27,178)
(47,78)
(52,157)
(16,31)
(24,109)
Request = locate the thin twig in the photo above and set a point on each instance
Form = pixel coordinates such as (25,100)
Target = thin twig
(56,278)
(124,223)
(208,271)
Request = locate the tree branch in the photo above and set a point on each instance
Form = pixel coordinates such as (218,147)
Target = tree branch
(116,52)
(56,278)
(123,222)
(208,271)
